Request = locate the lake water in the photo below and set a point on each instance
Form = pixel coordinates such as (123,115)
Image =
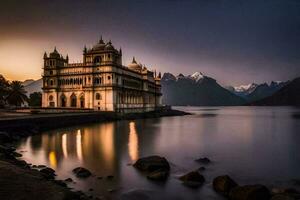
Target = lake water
(251,144)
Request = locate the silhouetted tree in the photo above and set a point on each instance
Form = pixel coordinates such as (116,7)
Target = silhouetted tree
(4,89)
(17,94)
(35,99)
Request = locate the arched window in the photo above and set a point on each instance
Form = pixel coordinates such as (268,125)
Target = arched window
(98,96)
(97,60)
(73,100)
(51,82)
(63,100)
(82,101)
(50,98)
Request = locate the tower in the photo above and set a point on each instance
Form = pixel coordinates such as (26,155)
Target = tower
(52,65)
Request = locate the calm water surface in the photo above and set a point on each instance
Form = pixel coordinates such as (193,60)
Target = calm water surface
(252,144)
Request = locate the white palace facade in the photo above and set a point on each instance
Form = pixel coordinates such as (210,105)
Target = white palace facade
(101,82)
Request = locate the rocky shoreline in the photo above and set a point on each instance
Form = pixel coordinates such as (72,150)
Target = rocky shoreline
(21,180)
(157,169)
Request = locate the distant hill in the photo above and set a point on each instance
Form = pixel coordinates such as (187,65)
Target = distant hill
(32,86)
(27,82)
(288,95)
(196,90)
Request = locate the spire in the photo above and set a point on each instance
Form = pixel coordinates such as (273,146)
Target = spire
(120,51)
(84,49)
(101,40)
(159,75)
(133,60)
(109,42)
(45,55)
(55,51)
(67,58)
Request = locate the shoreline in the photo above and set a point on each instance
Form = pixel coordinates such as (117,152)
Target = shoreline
(19,179)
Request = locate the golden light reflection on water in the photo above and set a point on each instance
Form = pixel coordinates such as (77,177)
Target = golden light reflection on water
(133,146)
(64,145)
(92,146)
(79,145)
(52,159)
(107,143)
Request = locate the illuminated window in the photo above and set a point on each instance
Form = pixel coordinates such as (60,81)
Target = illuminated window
(98,96)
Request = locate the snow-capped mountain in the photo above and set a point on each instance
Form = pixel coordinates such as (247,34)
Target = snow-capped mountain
(197,76)
(245,89)
(196,90)
(254,91)
(287,95)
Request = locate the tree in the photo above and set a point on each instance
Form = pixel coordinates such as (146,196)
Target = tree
(17,94)
(35,99)
(4,89)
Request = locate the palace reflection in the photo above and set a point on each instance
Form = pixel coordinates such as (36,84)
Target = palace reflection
(102,148)
(133,143)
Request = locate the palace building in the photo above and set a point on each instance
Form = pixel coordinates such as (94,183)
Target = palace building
(101,82)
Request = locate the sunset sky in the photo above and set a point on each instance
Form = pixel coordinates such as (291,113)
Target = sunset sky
(233,41)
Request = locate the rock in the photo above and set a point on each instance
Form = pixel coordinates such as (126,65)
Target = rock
(5,137)
(137,194)
(22,163)
(61,183)
(41,166)
(223,184)
(282,197)
(81,172)
(6,149)
(159,175)
(204,160)
(69,180)
(152,163)
(110,177)
(201,168)
(192,179)
(249,192)
(17,155)
(281,190)
(111,190)
(48,173)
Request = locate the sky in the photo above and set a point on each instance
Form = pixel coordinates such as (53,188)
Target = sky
(233,41)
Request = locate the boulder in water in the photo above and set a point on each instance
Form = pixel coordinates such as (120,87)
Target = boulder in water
(203,160)
(249,192)
(81,172)
(224,184)
(159,175)
(152,163)
(192,179)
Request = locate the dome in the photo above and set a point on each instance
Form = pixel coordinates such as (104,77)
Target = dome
(99,46)
(109,46)
(135,66)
